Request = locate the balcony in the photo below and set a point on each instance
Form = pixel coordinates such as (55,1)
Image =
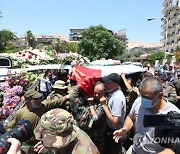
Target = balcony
(167,8)
(165,3)
(178,35)
(178,26)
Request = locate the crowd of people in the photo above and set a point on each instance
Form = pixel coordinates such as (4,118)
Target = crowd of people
(65,120)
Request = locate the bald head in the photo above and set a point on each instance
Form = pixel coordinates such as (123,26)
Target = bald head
(99,90)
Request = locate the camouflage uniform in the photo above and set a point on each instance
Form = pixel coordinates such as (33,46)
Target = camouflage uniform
(57,130)
(97,131)
(55,96)
(170,93)
(131,96)
(80,109)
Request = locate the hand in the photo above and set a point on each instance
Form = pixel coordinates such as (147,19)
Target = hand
(167,151)
(119,134)
(103,100)
(15,147)
(123,75)
(90,100)
(39,147)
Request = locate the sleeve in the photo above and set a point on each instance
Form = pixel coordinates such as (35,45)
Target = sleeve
(170,94)
(50,104)
(135,106)
(117,107)
(99,110)
(13,122)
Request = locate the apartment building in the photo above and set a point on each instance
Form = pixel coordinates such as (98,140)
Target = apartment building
(121,35)
(20,43)
(49,39)
(171,12)
(75,34)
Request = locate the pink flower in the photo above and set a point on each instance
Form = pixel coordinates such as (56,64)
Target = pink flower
(30,56)
(11,82)
(24,55)
(16,81)
(20,52)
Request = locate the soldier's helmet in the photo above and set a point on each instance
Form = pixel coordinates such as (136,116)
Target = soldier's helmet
(55,128)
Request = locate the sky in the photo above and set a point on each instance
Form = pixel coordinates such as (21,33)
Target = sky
(58,16)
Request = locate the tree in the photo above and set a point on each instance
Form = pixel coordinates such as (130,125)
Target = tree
(125,56)
(72,47)
(137,53)
(5,37)
(31,39)
(97,42)
(157,55)
(60,46)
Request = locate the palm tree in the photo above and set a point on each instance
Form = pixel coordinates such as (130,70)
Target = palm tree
(30,38)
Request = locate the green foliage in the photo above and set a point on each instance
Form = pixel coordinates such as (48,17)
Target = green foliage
(60,46)
(72,47)
(157,55)
(40,46)
(12,49)
(177,53)
(137,53)
(97,42)
(31,39)
(125,56)
(5,37)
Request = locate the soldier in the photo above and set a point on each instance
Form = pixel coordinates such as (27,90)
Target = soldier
(34,108)
(56,131)
(32,111)
(169,90)
(97,131)
(60,89)
(131,92)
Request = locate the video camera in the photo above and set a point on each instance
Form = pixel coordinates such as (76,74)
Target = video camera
(22,131)
(167,128)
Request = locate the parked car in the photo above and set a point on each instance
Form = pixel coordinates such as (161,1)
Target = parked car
(137,64)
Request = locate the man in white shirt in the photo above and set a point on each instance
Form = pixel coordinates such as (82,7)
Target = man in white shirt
(151,102)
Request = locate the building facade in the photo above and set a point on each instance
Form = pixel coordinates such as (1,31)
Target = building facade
(171,12)
(50,39)
(121,35)
(20,43)
(75,34)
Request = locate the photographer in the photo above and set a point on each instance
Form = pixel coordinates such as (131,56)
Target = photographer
(151,102)
(10,142)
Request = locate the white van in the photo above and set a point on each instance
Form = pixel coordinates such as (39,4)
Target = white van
(5,65)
